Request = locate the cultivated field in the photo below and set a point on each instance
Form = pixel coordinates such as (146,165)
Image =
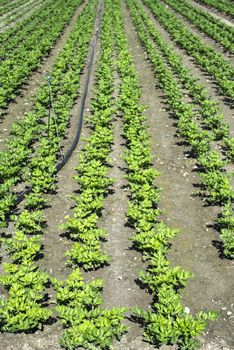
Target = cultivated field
(116,174)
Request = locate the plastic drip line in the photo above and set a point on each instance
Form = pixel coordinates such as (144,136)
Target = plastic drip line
(73,146)
(53,114)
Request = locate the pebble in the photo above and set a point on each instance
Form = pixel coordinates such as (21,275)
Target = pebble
(229,313)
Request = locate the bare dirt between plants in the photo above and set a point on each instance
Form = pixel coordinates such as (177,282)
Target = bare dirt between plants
(23,103)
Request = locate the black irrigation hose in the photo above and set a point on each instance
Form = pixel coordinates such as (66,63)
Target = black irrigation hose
(73,146)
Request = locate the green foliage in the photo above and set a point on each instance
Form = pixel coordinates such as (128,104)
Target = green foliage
(225,7)
(159,273)
(211,161)
(87,255)
(207,23)
(230,146)
(21,248)
(30,222)
(22,313)
(23,309)
(167,322)
(20,54)
(86,324)
(76,293)
(15,160)
(213,62)
(92,171)
(96,330)
(218,186)
(227,237)
(195,122)
(34,200)
(226,218)
(6,205)
(157,239)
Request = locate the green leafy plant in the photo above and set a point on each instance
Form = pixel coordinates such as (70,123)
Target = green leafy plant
(87,255)
(167,321)
(23,309)
(218,185)
(31,222)
(86,324)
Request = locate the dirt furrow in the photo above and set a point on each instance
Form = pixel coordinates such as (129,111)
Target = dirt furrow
(199,73)
(212,286)
(24,100)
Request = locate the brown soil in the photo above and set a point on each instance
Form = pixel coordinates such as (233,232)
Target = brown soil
(24,100)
